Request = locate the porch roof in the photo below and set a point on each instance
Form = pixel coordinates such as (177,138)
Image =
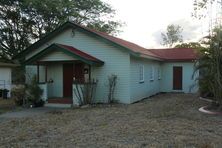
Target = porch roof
(69,50)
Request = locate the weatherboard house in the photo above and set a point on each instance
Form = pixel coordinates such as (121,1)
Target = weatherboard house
(73,51)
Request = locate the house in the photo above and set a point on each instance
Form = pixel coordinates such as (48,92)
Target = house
(5,76)
(71,49)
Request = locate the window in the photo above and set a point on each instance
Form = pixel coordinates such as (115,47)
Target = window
(159,74)
(141,73)
(152,73)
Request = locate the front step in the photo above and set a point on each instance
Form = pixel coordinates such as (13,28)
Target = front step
(58,105)
(60,101)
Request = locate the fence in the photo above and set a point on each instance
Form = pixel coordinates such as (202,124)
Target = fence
(2,84)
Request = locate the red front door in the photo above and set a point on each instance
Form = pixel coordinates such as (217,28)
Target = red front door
(177,78)
(68,74)
(79,72)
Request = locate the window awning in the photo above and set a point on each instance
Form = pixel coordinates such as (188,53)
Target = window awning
(69,50)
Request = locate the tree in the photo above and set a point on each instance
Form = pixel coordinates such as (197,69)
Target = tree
(194,45)
(199,6)
(210,63)
(172,35)
(24,21)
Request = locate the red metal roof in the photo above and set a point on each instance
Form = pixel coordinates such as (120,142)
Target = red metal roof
(172,54)
(169,54)
(79,53)
(176,54)
(132,46)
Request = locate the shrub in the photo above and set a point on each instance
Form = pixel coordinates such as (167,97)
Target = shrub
(210,66)
(34,93)
(18,94)
(85,92)
(112,79)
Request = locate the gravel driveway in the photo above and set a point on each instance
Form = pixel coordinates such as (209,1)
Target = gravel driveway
(165,120)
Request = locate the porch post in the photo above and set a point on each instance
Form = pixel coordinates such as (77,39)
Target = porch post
(89,73)
(46,73)
(37,72)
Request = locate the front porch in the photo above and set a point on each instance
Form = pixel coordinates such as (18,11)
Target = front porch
(58,69)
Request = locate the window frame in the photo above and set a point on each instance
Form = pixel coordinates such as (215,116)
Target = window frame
(159,74)
(141,74)
(152,73)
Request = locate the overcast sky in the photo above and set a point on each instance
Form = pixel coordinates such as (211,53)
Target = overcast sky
(146,19)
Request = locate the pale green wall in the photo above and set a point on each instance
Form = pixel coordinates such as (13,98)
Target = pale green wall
(148,88)
(57,56)
(55,72)
(167,77)
(117,61)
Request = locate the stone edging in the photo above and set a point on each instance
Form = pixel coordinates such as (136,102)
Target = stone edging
(205,99)
(204,110)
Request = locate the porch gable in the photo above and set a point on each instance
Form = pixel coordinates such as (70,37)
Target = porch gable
(70,52)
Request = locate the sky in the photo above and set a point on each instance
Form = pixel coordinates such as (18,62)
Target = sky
(146,19)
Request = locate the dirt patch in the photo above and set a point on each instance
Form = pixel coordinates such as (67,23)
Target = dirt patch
(166,120)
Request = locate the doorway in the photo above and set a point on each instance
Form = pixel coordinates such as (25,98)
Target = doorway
(177,77)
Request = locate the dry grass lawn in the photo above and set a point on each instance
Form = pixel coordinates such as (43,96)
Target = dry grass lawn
(166,120)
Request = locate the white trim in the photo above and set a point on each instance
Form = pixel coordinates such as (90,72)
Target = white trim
(159,74)
(141,73)
(152,71)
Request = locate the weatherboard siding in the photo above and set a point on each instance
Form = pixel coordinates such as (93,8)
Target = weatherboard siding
(117,61)
(57,56)
(143,90)
(189,83)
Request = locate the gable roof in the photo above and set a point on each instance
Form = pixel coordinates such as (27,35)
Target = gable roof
(134,49)
(69,50)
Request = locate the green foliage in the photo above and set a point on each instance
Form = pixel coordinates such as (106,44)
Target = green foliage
(172,35)
(194,45)
(199,6)
(34,92)
(210,65)
(25,21)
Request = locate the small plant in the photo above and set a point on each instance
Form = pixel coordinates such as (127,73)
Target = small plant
(112,85)
(34,93)
(85,92)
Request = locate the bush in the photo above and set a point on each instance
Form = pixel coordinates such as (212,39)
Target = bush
(34,93)
(18,94)
(28,95)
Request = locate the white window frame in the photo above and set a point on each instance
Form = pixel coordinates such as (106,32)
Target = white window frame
(152,73)
(141,73)
(159,74)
